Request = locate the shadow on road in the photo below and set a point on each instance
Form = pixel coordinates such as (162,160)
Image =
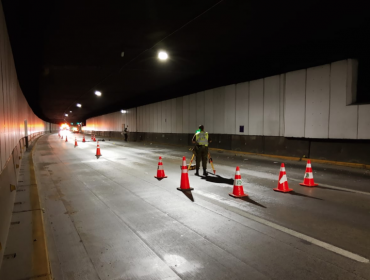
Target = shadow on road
(248,199)
(218,179)
(299,194)
(189,195)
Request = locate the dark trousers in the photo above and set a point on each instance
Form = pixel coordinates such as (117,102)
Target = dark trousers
(126,137)
(201,153)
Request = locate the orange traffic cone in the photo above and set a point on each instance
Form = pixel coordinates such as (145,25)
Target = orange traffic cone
(283,181)
(59,134)
(66,139)
(98,154)
(308,176)
(238,185)
(160,171)
(62,137)
(184,183)
(83,139)
(94,139)
(76,142)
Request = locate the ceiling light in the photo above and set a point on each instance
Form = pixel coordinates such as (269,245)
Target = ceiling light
(162,55)
(98,93)
(70,111)
(123,111)
(66,115)
(79,105)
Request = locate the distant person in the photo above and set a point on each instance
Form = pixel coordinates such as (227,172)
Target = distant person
(201,139)
(126,133)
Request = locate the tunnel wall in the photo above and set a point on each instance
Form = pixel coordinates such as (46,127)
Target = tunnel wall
(14,110)
(300,113)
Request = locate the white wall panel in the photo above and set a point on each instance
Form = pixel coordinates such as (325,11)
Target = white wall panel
(193,126)
(317,102)
(155,117)
(151,109)
(179,115)
(242,108)
(208,111)
(168,115)
(281,104)
(200,108)
(271,106)
(219,110)
(230,116)
(173,115)
(343,118)
(295,103)
(255,116)
(364,122)
(185,114)
(159,117)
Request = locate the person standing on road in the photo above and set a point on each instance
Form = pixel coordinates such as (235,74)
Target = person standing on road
(126,132)
(201,139)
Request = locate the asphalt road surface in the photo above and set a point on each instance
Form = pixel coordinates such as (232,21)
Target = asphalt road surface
(109,218)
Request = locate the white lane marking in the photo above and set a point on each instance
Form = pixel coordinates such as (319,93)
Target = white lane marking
(93,160)
(333,187)
(312,240)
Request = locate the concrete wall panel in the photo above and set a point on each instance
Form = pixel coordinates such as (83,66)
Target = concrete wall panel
(230,115)
(317,102)
(242,108)
(219,110)
(173,116)
(343,118)
(255,116)
(295,106)
(179,115)
(185,114)
(200,108)
(364,122)
(192,113)
(282,103)
(208,111)
(271,106)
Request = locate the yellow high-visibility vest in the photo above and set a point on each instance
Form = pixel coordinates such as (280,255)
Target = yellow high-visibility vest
(202,138)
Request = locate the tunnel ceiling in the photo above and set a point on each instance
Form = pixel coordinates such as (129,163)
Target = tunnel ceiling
(65,50)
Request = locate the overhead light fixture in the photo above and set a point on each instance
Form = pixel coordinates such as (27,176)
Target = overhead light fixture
(123,111)
(70,111)
(79,105)
(98,93)
(162,55)
(66,115)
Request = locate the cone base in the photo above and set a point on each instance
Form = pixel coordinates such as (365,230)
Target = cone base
(180,189)
(160,177)
(98,156)
(284,191)
(314,185)
(237,196)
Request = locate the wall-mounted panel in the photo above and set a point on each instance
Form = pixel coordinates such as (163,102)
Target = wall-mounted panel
(271,106)
(208,111)
(281,104)
(159,117)
(242,108)
(173,115)
(295,103)
(343,118)
(179,116)
(219,110)
(364,122)
(185,114)
(255,116)
(200,108)
(192,113)
(230,115)
(317,102)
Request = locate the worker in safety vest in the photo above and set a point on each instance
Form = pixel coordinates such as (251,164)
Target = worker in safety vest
(201,139)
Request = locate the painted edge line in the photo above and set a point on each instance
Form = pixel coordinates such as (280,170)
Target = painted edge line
(296,234)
